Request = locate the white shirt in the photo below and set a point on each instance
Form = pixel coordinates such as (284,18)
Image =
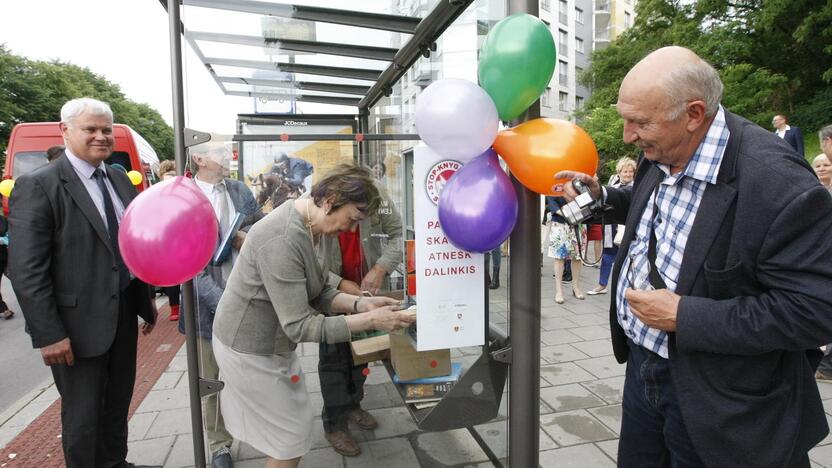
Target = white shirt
(782,133)
(214,196)
(85,171)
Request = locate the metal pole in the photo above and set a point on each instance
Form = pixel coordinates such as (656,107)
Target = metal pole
(524,312)
(363,145)
(188,287)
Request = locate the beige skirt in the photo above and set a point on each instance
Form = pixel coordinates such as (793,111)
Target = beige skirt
(264,402)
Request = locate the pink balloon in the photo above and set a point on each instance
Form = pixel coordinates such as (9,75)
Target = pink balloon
(168,232)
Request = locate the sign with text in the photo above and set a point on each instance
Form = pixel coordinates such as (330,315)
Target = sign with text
(450,282)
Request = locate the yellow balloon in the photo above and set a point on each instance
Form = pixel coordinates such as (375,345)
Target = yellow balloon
(135,177)
(6,187)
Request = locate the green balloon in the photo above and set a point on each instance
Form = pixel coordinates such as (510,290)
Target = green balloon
(517,61)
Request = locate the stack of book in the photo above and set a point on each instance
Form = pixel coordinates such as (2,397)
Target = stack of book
(427,392)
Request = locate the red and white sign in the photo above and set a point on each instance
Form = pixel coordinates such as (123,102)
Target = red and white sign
(450,281)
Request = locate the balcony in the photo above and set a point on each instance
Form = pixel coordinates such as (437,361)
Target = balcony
(602,35)
(563,18)
(602,7)
(546,5)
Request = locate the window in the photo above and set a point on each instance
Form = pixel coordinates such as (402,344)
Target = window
(579,102)
(546,99)
(546,5)
(563,39)
(579,16)
(563,73)
(579,45)
(563,12)
(562,98)
(627,19)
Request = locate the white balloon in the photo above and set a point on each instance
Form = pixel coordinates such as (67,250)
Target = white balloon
(456,118)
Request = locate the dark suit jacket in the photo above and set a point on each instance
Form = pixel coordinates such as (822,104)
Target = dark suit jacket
(756,287)
(208,283)
(794,137)
(62,264)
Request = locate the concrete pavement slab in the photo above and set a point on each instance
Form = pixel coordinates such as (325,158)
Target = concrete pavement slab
(610,389)
(564,373)
(561,353)
(579,456)
(395,452)
(602,367)
(569,397)
(448,448)
(574,427)
(594,348)
(150,451)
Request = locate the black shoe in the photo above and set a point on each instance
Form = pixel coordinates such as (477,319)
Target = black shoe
(495,283)
(222,459)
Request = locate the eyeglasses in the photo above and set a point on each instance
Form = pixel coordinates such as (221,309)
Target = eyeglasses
(631,276)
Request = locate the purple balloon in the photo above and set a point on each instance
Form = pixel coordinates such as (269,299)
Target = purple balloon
(478,205)
(168,232)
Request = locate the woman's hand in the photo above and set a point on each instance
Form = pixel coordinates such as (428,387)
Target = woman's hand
(387,319)
(366,304)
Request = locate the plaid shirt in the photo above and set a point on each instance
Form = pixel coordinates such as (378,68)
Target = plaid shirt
(677,197)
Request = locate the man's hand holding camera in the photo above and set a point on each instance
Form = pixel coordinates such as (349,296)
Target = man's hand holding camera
(569,191)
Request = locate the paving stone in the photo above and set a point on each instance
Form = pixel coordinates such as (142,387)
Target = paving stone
(138,425)
(564,373)
(610,447)
(380,396)
(560,353)
(611,389)
(584,320)
(825,389)
(170,422)
(27,414)
(557,323)
(603,367)
(182,452)
(179,363)
(449,448)
(594,348)
(828,439)
(591,332)
(569,397)
(392,422)
(378,375)
(168,380)
(610,416)
(821,455)
(160,400)
(151,451)
(395,452)
(309,349)
(574,427)
(556,337)
(579,456)
(319,458)
(255,463)
(50,394)
(495,435)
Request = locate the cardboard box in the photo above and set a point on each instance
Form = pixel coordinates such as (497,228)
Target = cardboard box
(410,364)
(374,348)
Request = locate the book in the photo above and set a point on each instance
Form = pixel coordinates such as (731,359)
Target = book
(421,393)
(425,404)
(456,372)
(224,248)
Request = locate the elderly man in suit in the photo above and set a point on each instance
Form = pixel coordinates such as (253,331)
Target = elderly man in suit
(229,198)
(722,288)
(79,299)
(792,135)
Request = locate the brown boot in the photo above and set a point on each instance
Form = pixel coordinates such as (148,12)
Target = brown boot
(343,443)
(363,419)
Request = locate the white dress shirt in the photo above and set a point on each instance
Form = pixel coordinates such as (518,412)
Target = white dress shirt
(85,171)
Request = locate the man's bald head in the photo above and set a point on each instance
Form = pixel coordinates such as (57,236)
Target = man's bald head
(675,76)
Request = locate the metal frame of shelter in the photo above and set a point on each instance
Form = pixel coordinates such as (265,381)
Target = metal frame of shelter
(519,358)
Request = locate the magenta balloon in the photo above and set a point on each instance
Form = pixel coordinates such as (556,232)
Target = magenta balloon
(168,232)
(478,206)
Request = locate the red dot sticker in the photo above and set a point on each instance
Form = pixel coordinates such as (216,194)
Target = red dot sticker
(295,378)
(366,371)
(284,137)
(433,363)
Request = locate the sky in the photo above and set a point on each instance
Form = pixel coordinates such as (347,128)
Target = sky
(126,41)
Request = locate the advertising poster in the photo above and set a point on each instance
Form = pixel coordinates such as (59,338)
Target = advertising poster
(451,282)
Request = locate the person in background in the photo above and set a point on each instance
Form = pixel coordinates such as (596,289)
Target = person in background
(625,170)
(792,135)
(359,262)
(64,220)
(823,169)
(228,197)
(278,296)
(722,293)
(4,258)
(167,170)
(54,152)
(563,246)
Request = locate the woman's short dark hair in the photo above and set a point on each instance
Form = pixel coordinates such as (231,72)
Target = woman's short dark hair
(346,183)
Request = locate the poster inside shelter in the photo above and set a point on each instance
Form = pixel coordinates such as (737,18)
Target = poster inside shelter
(450,281)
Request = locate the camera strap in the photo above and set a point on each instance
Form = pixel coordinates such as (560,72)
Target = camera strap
(655,277)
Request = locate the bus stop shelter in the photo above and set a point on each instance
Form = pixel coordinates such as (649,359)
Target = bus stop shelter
(357,73)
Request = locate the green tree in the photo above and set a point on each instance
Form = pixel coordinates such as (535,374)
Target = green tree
(34,91)
(774,56)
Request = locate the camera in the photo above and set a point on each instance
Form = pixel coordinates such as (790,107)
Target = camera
(582,207)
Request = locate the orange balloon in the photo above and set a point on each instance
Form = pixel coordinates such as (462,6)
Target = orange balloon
(538,149)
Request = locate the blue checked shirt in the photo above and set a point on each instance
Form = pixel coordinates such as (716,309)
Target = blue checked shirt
(678,197)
